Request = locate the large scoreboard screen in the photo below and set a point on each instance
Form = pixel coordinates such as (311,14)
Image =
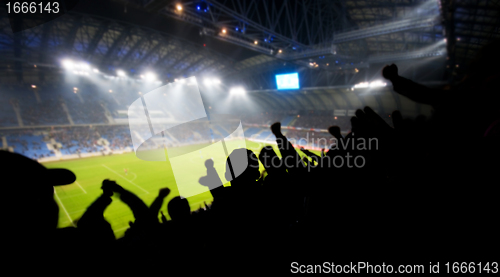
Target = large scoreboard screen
(288,81)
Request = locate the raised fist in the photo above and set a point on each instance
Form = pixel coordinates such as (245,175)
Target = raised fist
(390,71)
(109,187)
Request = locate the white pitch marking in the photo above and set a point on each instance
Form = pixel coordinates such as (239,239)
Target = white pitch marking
(64,209)
(80,187)
(147,192)
(134,177)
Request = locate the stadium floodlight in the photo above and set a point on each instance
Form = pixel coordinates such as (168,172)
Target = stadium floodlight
(377,83)
(216,81)
(150,76)
(362,85)
(224,31)
(279,51)
(68,64)
(33,86)
(120,73)
(96,70)
(75,88)
(179,7)
(255,42)
(373,84)
(207,82)
(237,91)
(84,66)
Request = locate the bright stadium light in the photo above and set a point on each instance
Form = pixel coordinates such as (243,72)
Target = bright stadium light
(224,31)
(207,82)
(68,64)
(179,7)
(362,85)
(237,91)
(377,83)
(373,84)
(216,81)
(150,76)
(84,66)
(96,70)
(120,73)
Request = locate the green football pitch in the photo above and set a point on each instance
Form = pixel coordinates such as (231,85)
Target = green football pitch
(144,178)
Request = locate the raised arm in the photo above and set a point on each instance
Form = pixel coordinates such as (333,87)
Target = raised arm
(93,225)
(288,153)
(416,92)
(138,207)
(158,202)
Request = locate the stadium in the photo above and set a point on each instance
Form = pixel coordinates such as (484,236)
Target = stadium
(157,95)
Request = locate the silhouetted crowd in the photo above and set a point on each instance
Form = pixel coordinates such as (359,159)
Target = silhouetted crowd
(424,188)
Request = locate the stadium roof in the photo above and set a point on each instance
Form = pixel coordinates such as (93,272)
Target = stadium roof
(330,42)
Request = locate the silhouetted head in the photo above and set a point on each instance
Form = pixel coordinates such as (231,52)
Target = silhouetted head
(209,163)
(242,166)
(29,195)
(178,208)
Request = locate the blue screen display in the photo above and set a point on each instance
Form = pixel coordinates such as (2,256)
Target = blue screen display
(288,81)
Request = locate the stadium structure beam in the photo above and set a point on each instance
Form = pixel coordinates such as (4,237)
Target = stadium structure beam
(151,52)
(97,37)
(406,56)
(166,55)
(386,28)
(117,43)
(70,39)
(293,24)
(241,12)
(132,50)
